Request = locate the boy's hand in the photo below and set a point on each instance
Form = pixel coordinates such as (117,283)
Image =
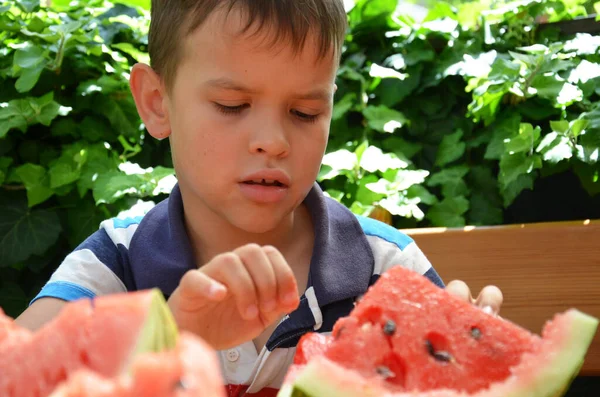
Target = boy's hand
(235,296)
(489,299)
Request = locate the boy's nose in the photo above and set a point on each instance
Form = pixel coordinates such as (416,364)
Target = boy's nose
(270,141)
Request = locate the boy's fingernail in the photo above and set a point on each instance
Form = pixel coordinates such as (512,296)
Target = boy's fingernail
(488,309)
(252,311)
(215,289)
(269,305)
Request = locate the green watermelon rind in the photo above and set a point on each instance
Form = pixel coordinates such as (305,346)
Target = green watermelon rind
(159,332)
(561,358)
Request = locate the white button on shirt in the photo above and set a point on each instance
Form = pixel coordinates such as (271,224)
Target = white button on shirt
(232,355)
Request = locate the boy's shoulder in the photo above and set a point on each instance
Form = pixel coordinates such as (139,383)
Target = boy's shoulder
(388,246)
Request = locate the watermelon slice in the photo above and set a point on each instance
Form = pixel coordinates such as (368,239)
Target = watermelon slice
(107,337)
(409,338)
(189,370)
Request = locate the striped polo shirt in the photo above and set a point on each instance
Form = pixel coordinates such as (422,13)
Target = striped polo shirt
(154,251)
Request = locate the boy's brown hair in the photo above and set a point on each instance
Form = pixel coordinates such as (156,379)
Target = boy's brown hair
(291,20)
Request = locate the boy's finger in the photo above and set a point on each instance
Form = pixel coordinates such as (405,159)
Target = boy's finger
(490,299)
(258,266)
(232,272)
(287,289)
(461,290)
(195,285)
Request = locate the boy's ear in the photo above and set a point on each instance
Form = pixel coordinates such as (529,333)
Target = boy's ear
(149,95)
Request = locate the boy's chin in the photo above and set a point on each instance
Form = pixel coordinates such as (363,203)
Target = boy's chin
(258,224)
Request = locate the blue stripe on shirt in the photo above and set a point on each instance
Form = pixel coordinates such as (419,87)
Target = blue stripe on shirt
(125,223)
(373,227)
(64,290)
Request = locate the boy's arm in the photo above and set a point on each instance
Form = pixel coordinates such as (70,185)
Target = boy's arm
(94,268)
(40,312)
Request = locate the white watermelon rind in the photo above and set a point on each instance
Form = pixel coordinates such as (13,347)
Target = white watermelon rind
(545,374)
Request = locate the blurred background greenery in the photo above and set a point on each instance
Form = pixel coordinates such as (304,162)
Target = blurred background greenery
(448,113)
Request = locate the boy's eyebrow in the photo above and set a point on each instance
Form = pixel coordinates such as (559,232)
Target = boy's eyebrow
(228,84)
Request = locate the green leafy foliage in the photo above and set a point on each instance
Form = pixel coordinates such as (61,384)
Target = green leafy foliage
(478,97)
(73,150)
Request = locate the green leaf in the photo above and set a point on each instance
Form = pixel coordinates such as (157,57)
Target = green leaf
(113,185)
(373,159)
(13,298)
(418,51)
(403,148)
(342,106)
(420,192)
(64,127)
(524,141)
(588,154)
(36,181)
(560,127)
(364,194)
(98,161)
(21,113)
(577,126)
(514,165)
(484,211)
(583,44)
(385,73)
(28,6)
(29,57)
(393,91)
(383,119)
(29,78)
(83,220)
(63,172)
(555,148)
(584,72)
(589,176)
(122,114)
(449,212)
(450,149)
(514,188)
(504,128)
(556,89)
(340,160)
(25,232)
(403,180)
(448,175)
(401,206)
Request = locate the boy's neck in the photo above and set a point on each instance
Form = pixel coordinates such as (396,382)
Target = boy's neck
(210,237)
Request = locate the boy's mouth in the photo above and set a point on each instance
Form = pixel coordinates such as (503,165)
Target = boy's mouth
(265,182)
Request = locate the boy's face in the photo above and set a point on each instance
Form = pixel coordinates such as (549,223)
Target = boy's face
(240,112)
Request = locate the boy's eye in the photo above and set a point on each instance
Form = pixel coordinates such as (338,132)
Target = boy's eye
(310,118)
(230,109)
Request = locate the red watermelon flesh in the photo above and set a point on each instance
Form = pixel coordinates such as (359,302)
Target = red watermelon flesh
(408,336)
(189,370)
(101,335)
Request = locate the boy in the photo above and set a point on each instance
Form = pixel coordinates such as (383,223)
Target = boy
(247,249)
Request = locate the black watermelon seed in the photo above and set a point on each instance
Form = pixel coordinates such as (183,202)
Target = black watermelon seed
(476,333)
(389,328)
(180,384)
(430,349)
(384,372)
(441,355)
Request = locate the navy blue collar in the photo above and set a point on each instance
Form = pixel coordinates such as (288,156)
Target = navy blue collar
(341,264)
